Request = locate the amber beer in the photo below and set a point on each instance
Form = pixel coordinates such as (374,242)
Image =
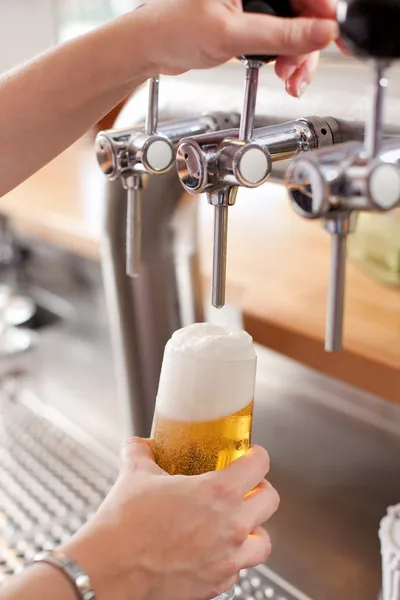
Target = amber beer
(204,406)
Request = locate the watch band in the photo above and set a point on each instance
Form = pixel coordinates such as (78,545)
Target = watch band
(71,569)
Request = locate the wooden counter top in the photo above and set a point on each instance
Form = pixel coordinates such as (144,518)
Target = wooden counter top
(277,269)
(61,203)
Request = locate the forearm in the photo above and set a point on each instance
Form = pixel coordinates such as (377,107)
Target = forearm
(39,582)
(49,103)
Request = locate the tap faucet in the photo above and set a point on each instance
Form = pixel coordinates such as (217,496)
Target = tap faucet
(148,152)
(335,184)
(241,160)
(133,154)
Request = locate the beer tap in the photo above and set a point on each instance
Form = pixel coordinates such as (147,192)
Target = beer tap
(147,152)
(134,154)
(219,165)
(335,184)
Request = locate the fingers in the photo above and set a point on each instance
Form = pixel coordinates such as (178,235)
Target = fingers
(136,454)
(262,34)
(286,66)
(246,472)
(343,48)
(259,505)
(255,550)
(297,72)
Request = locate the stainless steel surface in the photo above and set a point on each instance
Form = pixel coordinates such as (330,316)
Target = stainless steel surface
(336,291)
(374,124)
(217,164)
(335,461)
(72,475)
(69,344)
(141,321)
(134,225)
(66,491)
(332,183)
(133,155)
(137,165)
(152,110)
(340,178)
(219,255)
(207,162)
(143,312)
(334,451)
(231,164)
(250,99)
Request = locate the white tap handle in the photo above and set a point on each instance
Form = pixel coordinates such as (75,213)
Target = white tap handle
(389,534)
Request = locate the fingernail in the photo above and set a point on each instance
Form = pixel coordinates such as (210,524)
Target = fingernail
(289,88)
(287,72)
(302,88)
(324,32)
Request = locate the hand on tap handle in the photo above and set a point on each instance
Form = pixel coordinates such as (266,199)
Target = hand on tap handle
(274,8)
(223,31)
(335,184)
(225,196)
(73,86)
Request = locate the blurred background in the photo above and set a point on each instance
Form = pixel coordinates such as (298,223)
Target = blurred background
(81,344)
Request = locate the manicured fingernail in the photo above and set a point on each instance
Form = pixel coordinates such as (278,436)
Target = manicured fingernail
(323,32)
(289,88)
(287,72)
(302,88)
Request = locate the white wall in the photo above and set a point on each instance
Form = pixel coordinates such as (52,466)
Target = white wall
(26,28)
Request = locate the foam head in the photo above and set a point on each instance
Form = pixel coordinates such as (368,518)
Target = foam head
(208,372)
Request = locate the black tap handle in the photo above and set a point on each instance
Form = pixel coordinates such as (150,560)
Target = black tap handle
(276,8)
(370,28)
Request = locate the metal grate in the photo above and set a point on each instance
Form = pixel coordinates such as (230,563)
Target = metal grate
(50,485)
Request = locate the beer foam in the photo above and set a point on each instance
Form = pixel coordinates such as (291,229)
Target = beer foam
(208,373)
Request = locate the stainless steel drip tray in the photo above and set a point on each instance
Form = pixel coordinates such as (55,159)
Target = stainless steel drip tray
(335,456)
(53,476)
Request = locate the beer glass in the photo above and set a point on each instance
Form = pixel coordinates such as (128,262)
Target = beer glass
(204,406)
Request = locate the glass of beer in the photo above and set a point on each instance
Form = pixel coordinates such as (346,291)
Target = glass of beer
(204,404)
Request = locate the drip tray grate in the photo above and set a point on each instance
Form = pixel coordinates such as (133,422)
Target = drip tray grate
(52,482)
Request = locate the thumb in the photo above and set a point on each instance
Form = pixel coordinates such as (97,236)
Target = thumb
(263,34)
(136,454)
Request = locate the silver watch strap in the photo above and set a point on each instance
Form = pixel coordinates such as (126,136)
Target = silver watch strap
(71,569)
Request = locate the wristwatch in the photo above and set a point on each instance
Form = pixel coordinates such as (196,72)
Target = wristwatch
(79,579)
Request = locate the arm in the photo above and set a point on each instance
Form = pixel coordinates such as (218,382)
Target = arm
(151,537)
(51,101)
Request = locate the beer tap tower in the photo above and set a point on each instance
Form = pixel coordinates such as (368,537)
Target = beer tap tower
(335,184)
(216,154)
(132,155)
(219,163)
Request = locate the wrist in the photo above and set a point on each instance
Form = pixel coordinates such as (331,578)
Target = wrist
(97,551)
(43,581)
(133,51)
